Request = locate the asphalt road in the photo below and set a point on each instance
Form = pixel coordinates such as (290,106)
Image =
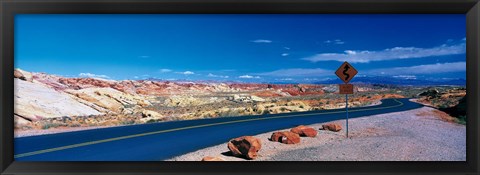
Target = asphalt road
(160,141)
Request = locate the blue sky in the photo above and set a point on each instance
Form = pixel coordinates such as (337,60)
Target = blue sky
(250,48)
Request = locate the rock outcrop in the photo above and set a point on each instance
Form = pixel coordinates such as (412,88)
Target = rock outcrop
(23,75)
(20,121)
(449,100)
(286,137)
(148,115)
(304,131)
(431,93)
(35,101)
(108,99)
(246,146)
(185,100)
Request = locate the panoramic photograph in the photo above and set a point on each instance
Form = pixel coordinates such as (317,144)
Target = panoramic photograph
(240,87)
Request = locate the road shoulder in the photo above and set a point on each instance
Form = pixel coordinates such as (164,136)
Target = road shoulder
(414,135)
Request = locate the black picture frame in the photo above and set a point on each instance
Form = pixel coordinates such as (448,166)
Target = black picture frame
(9,8)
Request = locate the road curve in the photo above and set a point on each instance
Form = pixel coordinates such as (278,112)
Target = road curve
(160,141)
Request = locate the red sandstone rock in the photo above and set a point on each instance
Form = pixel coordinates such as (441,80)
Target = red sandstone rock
(331,127)
(246,146)
(304,131)
(286,137)
(84,82)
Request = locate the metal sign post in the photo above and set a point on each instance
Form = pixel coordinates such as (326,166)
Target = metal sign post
(346,72)
(346,109)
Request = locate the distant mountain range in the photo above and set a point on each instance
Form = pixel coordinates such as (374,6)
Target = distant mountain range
(396,81)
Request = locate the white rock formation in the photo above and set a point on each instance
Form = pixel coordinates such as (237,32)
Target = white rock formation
(35,101)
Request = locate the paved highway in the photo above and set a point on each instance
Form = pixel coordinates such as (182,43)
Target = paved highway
(160,141)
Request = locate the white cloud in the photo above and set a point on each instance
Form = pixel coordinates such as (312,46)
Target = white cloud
(336,41)
(422,69)
(262,41)
(90,75)
(248,76)
(366,56)
(285,79)
(284,54)
(165,70)
(407,77)
(136,77)
(288,48)
(217,76)
(313,79)
(299,72)
(186,73)
(144,56)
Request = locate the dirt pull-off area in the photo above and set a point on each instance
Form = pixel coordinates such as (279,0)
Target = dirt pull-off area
(415,135)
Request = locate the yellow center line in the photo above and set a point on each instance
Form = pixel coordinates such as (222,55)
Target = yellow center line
(184,128)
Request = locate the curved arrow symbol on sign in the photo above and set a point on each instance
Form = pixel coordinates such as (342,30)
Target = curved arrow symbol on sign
(345,71)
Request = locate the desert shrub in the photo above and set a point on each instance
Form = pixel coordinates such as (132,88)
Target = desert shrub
(229,113)
(92,124)
(152,121)
(443,106)
(127,122)
(301,106)
(207,116)
(50,125)
(23,127)
(266,112)
(283,109)
(74,125)
(259,111)
(462,119)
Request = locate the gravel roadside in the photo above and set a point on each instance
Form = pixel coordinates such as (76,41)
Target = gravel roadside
(414,135)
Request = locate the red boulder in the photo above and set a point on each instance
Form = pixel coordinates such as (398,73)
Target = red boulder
(331,127)
(286,137)
(304,131)
(246,146)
